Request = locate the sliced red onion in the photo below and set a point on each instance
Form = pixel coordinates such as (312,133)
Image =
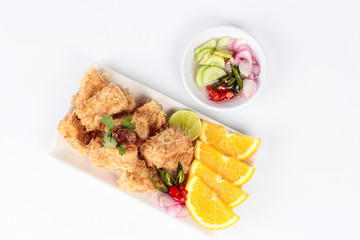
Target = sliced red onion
(227,67)
(236,43)
(167,201)
(249,89)
(251,76)
(243,47)
(231,44)
(245,67)
(156,197)
(255,70)
(174,210)
(244,54)
(183,213)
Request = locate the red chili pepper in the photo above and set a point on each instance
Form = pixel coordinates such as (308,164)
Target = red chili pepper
(209,87)
(229,94)
(181,186)
(173,190)
(212,93)
(221,96)
(215,97)
(183,200)
(184,192)
(178,197)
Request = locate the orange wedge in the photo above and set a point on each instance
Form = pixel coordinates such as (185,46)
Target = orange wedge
(230,144)
(231,195)
(206,207)
(229,168)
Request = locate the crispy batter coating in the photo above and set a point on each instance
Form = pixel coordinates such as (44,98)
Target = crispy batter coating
(167,148)
(83,129)
(149,119)
(75,133)
(109,100)
(142,126)
(139,180)
(130,100)
(109,158)
(90,84)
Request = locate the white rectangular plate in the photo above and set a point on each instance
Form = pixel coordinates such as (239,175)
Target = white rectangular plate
(61,150)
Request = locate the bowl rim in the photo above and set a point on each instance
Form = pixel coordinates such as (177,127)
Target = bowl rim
(188,48)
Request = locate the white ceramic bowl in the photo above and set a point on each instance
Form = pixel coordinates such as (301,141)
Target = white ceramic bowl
(189,67)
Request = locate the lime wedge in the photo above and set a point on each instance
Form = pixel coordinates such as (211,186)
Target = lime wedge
(188,121)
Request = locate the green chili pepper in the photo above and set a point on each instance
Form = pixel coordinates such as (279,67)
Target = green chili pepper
(231,81)
(180,176)
(236,90)
(222,80)
(237,75)
(166,177)
(159,184)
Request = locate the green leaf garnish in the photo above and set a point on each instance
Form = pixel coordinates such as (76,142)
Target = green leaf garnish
(108,121)
(127,123)
(122,150)
(109,141)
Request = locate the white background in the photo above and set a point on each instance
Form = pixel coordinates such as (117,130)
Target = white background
(306,185)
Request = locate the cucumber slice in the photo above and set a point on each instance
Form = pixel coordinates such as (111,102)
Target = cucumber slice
(222,44)
(215,61)
(198,77)
(204,59)
(209,44)
(202,53)
(222,54)
(211,75)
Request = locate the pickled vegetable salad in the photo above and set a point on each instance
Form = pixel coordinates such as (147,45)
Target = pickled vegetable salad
(228,68)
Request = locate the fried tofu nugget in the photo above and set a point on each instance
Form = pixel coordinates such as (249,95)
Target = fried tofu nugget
(139,180)
(130,100)
(149,119)
(167,148)
(109,158)
(90,84)
(75,133)
(110,100)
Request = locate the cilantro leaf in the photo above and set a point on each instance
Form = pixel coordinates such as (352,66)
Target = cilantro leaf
(127,123)
(108,121)
(122,150)
(109,141)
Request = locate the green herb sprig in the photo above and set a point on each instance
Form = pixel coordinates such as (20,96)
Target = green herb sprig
(109,141)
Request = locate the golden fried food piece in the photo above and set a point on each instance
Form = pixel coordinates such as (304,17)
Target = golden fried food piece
(90,84)
(130,100)
(109,158)
(167,148)
(149,119)
(139,180)
(110,100)
(75,133)
(142,126)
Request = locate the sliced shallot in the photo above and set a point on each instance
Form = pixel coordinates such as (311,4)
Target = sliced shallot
(235,43)
(255,70)
(227,67)
(249,89)
(183,213)
(245,67)
(167,201)
(174,210)
(156,197)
